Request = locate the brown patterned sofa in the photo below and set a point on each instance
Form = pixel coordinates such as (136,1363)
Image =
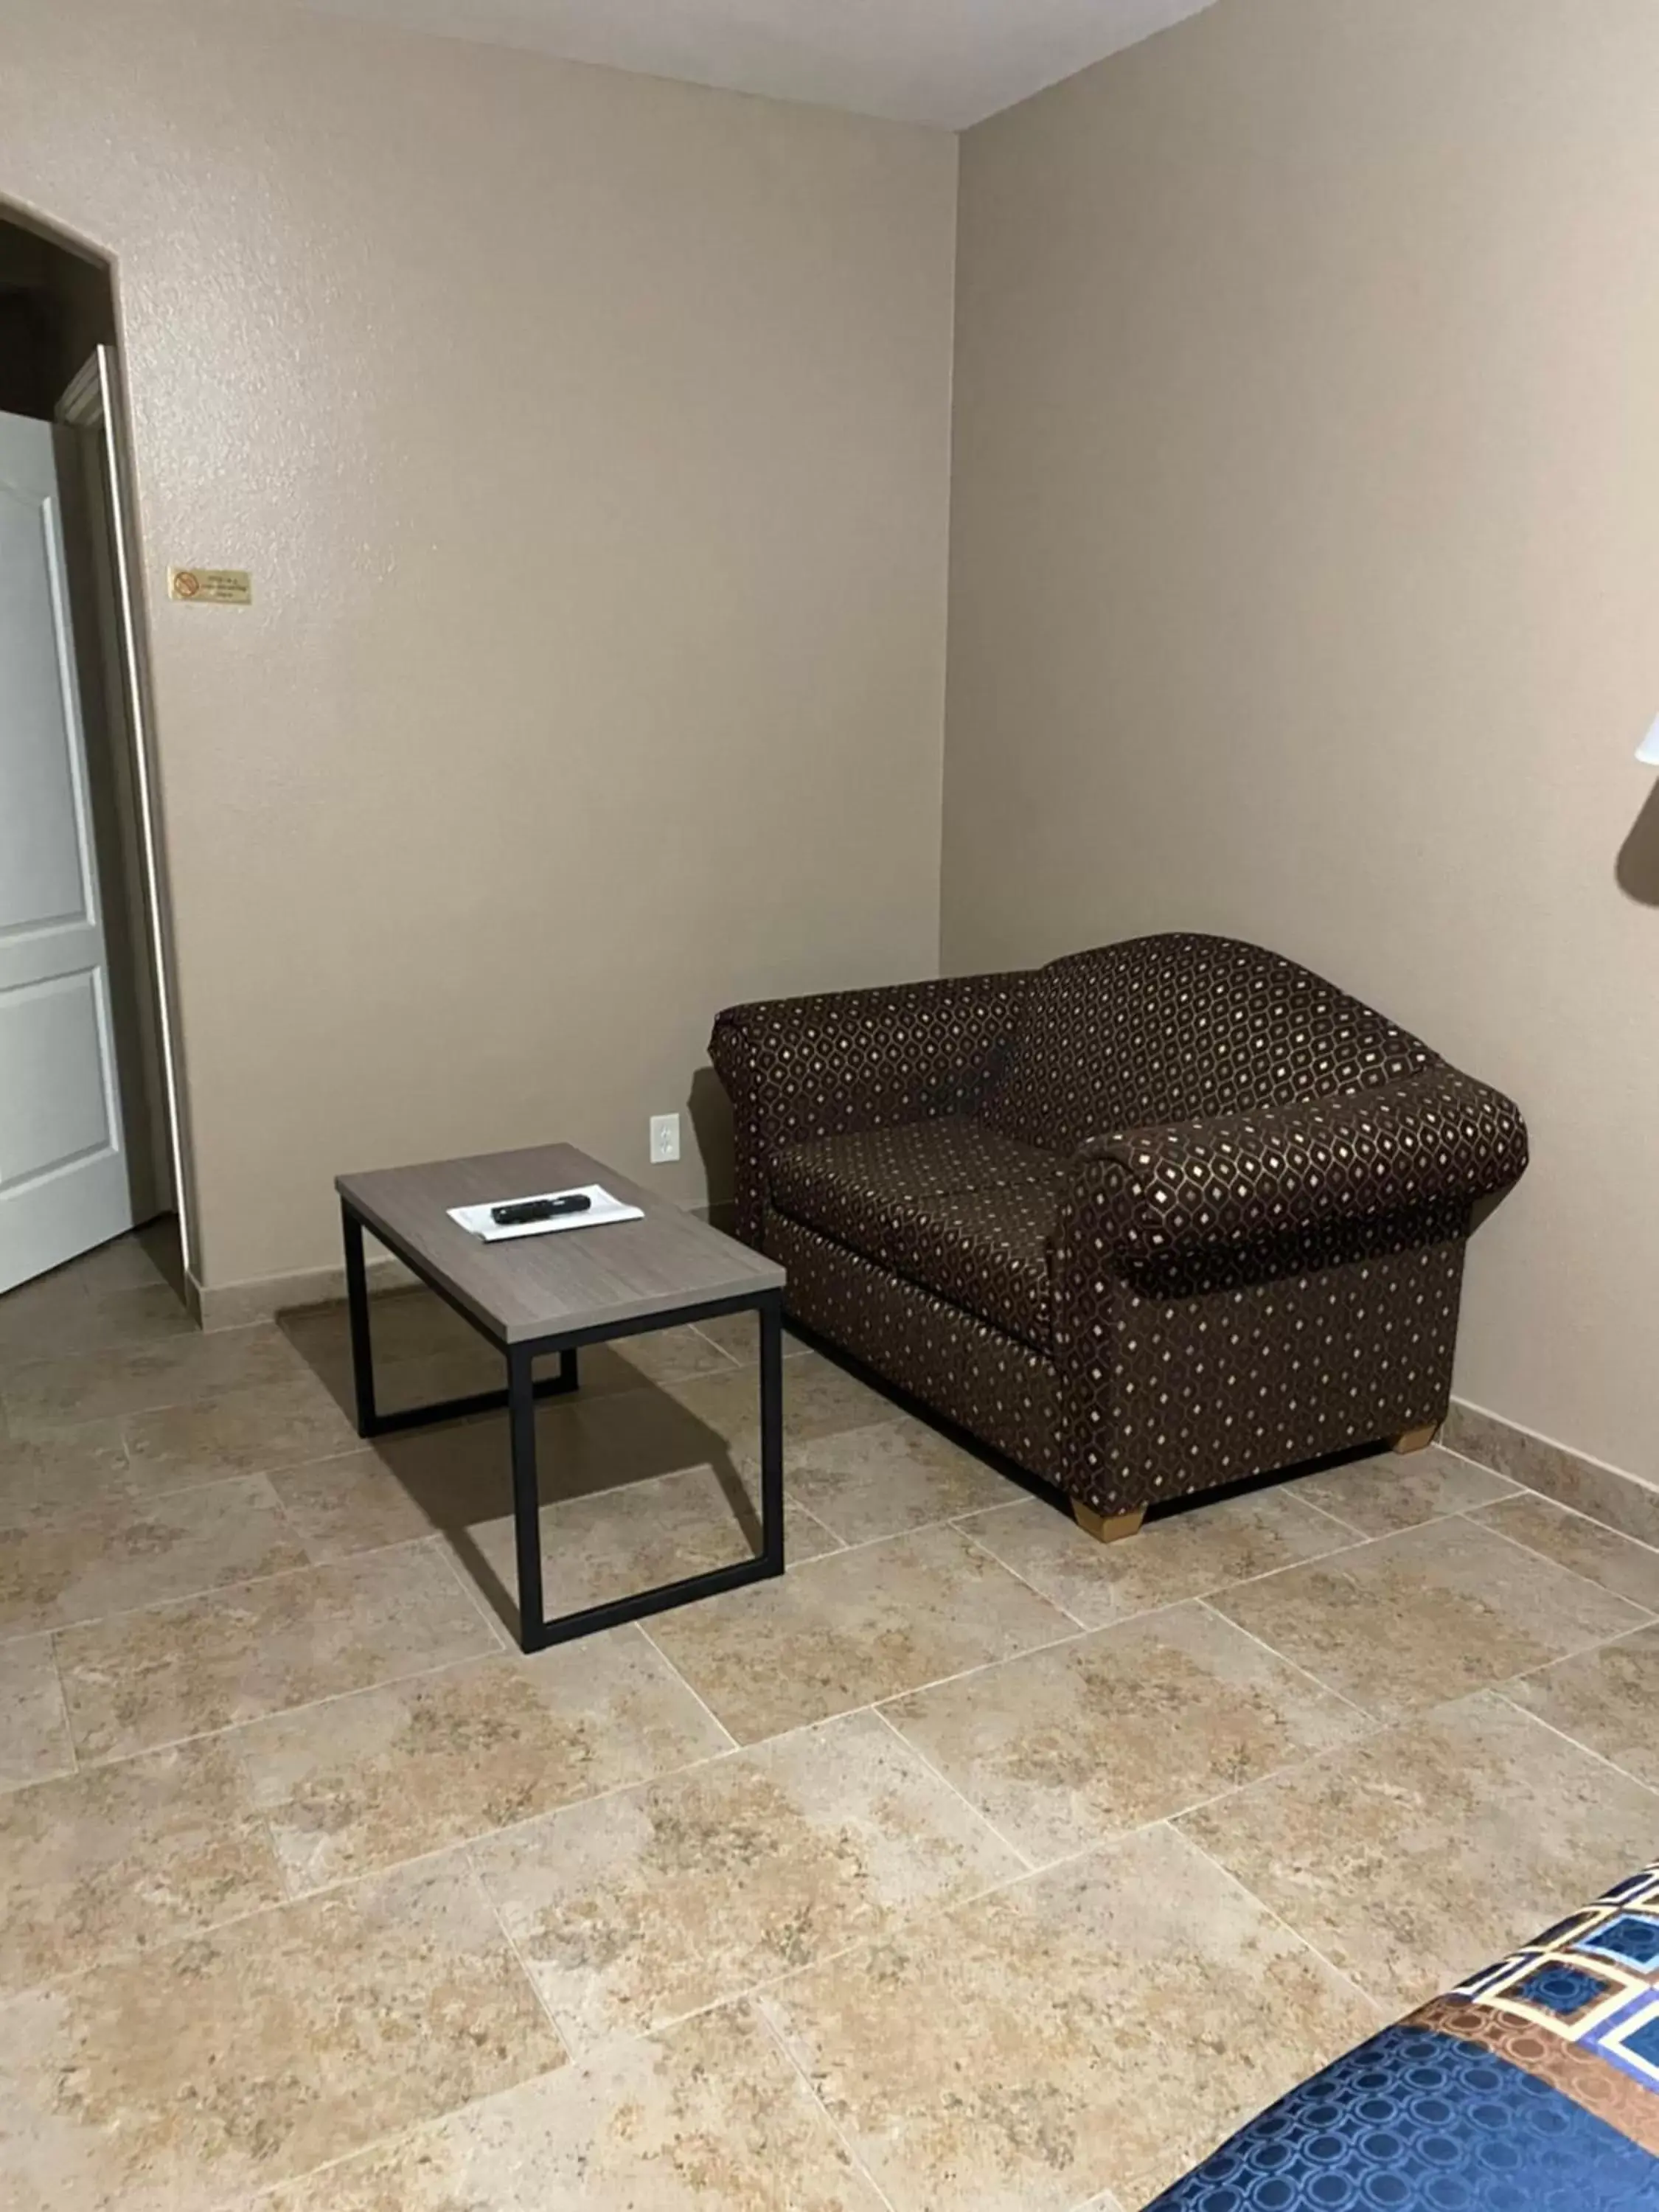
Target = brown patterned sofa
(1148,1220)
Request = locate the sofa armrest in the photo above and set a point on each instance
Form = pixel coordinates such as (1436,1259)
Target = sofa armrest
(1423,1145)
(798,1068)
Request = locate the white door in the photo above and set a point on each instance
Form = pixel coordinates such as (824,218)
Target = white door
(63,1184)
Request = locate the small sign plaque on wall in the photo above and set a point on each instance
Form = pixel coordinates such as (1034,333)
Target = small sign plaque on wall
(211,587)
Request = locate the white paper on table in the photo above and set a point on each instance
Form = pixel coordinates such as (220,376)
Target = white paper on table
(475,1220)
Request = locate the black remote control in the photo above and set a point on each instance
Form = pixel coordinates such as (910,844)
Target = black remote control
(520,1209)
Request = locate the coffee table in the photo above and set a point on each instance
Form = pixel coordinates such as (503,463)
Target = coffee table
(534,1296)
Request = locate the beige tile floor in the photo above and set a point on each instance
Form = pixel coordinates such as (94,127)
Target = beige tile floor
(973,1867)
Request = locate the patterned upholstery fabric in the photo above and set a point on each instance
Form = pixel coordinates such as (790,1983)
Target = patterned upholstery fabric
(1532,2087)
(986,1251)
(835,1183)
(1176,1394)
(1158,1199)
(950,1204)
(795,1068)
(1169,1029)
(1223,1202)
(997,1389)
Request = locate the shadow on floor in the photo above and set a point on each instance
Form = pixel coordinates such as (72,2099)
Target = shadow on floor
(620,1430)
(1050,1493)
(625,1428)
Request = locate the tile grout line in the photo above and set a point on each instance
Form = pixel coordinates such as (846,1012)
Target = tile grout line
(698,1331)
(1318,1559)
(519,1960)
(1177,1814)
(1520,1489)
(494,1625)
(985,1665)
(1501,1689)
(1412,1528)
(689,1687)
(475,1597)
(283,1712)
(979,1666)
(267,1820)
(1300,1766)
(457,1848)
(620,2038)
(211,1590)
(475,1839)
(1560,1566)
(1378,2004)
(1376,1728)
(793,1505)
(140,1500)
(844,1547)
(662,1779)
(1214,1590)
(1065,1611)
(1557,1505)
(266,1471)
(1601,1644)
(182,1597)
(1165,1605)
(910,1923)
(467,1845)
(284,1519)
(124,1955)
(503,1645)
(770,2029)
(1289,1487)
(42,1432)
(1307,1673)
(982,1818)
(266,2193)
(750,1993)
(75,1764)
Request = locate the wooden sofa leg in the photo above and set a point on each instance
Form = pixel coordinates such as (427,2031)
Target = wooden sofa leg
(1103,1530)
(1418,1439)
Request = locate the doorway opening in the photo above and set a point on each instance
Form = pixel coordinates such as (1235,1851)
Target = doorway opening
(90,1128)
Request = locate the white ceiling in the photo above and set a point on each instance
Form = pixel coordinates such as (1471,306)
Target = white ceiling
(952,62)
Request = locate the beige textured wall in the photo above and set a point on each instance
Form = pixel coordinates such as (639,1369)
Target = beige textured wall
(588,438)
(1305,576)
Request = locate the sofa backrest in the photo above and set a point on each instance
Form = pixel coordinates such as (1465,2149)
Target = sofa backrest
(1168,1029)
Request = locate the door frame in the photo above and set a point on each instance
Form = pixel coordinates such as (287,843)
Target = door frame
(94,400)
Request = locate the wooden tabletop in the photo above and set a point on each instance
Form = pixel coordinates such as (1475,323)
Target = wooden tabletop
(534,1287)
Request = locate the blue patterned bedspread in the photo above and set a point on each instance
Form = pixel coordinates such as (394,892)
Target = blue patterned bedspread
(1531,2087)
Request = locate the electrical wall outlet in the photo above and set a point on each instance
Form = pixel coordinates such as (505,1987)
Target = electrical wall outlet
(665,1138)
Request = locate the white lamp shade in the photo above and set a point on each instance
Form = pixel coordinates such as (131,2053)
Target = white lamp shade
(1648,751)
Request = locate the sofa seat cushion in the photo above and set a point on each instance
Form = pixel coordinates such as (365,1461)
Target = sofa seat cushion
(843,1184)
(948,1204)
(986,1251)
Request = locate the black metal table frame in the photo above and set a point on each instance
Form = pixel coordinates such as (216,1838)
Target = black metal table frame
(535,1632)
